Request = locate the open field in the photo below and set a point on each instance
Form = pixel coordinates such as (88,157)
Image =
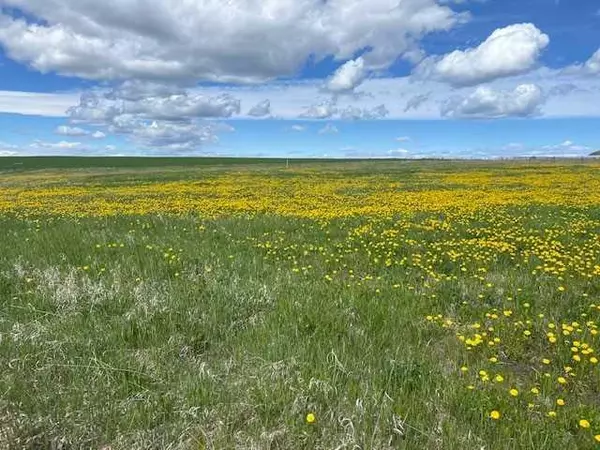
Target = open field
(406,305)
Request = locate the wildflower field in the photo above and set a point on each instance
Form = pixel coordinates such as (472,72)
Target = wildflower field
(334,305)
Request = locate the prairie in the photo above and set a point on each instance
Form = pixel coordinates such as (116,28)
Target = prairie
(334,305)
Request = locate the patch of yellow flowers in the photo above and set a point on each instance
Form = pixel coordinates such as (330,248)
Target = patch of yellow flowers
(304,192)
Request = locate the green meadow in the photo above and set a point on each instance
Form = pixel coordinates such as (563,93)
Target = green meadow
(229,304)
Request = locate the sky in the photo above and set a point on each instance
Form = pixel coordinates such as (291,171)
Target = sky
(300,78)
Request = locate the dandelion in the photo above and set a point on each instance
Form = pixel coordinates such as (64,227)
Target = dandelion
(498,378)
(310,418)
(551,413)
(546,361)
(513,392)
(560,402)
(495,414)
(583,423)
(562,380)
(594,360)
(535,391)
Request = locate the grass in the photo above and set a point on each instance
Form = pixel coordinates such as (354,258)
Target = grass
(216,307)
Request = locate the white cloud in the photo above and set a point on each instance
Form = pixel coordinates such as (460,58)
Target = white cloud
(416,101)
(8,149)
(567,94)
(95,108)
(354,113)
(65,130)
(98,135)
(299,128)
(172,136)
(590,67)
(348,77)
(484,102)
(397,152)
(36,103)
(329,129)
(506,52)
(153,115)
(261,109)
(566,148)
(403,139)
(62,145)
(241,40)
(323,110)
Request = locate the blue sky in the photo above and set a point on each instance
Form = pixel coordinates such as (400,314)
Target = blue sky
(336,78)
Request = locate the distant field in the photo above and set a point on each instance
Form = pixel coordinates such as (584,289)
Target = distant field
(218,304)
(67,162)
(72,162)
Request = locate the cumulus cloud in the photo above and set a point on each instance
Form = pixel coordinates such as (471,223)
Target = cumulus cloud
(98,135)
(261,109)
(525,100)
(298,128)
(354,113)
(329,129)
(323,110)
(153,115)
(240,41)
(172,136)
(416,101)
(592,65)
(348,77)
(65,130)
(589,67)
(508,51)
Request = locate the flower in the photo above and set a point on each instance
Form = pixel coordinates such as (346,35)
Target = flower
(560,402)
(498,378)
(583,423)
(551,413)
(310,418)
(597,437)
(562,380)
(546,361)
(514,392)
(495,415)
(594,360)
(535,391)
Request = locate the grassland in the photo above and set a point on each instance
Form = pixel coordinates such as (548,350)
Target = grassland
(401,305)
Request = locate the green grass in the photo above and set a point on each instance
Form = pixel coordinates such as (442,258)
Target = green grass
(73,162)
(162,332)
